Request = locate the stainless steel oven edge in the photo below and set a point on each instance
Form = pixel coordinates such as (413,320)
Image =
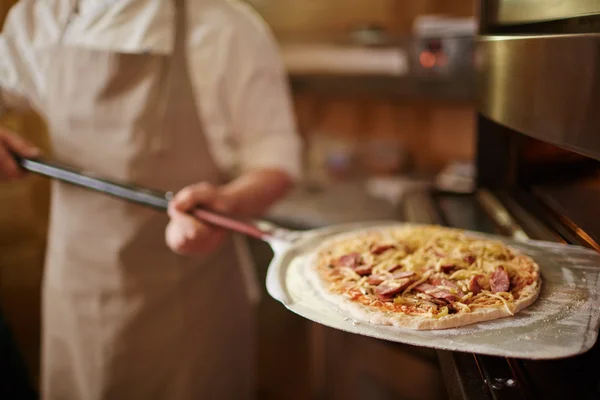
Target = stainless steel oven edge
(544,86)
(509,12)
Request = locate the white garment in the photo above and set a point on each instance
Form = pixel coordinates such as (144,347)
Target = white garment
(236,71)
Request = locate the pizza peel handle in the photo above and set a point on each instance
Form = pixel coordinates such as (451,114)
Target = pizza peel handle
(275,236)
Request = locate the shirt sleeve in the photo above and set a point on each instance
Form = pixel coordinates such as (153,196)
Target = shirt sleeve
(258,97)
(14,76)
(29,26)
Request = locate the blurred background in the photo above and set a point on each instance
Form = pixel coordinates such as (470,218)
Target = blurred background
(384,98)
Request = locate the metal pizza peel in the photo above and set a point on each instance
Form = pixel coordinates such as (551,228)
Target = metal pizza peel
(563,321)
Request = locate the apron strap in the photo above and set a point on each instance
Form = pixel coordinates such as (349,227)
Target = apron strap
(180,36)
(176,63)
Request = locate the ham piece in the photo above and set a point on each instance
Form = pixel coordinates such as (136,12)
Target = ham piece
(499,281)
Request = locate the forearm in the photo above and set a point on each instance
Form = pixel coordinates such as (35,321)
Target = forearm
(254,192)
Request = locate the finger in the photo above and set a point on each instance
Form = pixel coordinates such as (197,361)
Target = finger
(190,237)
(193,196)
(19,145)
(8,166)
(190,227)
(194,231)
(182,246)
(222,204)
(175,238)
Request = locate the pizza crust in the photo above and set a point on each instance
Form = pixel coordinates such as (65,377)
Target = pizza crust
(372,315)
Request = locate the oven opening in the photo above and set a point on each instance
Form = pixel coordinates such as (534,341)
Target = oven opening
(566,186)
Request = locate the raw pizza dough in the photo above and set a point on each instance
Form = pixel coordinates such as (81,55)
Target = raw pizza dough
(423,277)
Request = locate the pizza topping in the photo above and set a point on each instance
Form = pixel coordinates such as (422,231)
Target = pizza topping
(499,281)
(474,285)
(444,295)
(424,288)
(354,294)
(349,260)
(375,280)
(438,253)
(428,272)
(363,270)
(376,250)
(396,267)
(442,312)
(440,288)
(462,306)
(447,268)
(506,306)
(387,290)
(428,305)
(462,274)
(403,274)
(432,299)
(418,282)
(441,282)
(517,283)
(445,284)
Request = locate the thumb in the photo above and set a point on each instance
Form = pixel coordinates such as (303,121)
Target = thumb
(18,145)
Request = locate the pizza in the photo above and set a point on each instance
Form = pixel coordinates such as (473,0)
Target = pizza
(423,277)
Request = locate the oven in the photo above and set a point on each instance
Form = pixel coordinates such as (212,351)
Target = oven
(538,152)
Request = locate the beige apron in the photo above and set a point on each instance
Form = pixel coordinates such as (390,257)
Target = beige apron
(124,317)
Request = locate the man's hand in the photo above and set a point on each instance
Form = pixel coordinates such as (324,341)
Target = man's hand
(185,234)
(248,196)
(10,142)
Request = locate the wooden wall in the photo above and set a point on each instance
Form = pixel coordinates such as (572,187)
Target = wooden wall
(324,17)
(23,226)
(4,7)
(432,133)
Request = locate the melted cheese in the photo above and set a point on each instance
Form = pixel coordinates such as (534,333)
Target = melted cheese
(463,306)
(503,301)
(418,282)
(423,251)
